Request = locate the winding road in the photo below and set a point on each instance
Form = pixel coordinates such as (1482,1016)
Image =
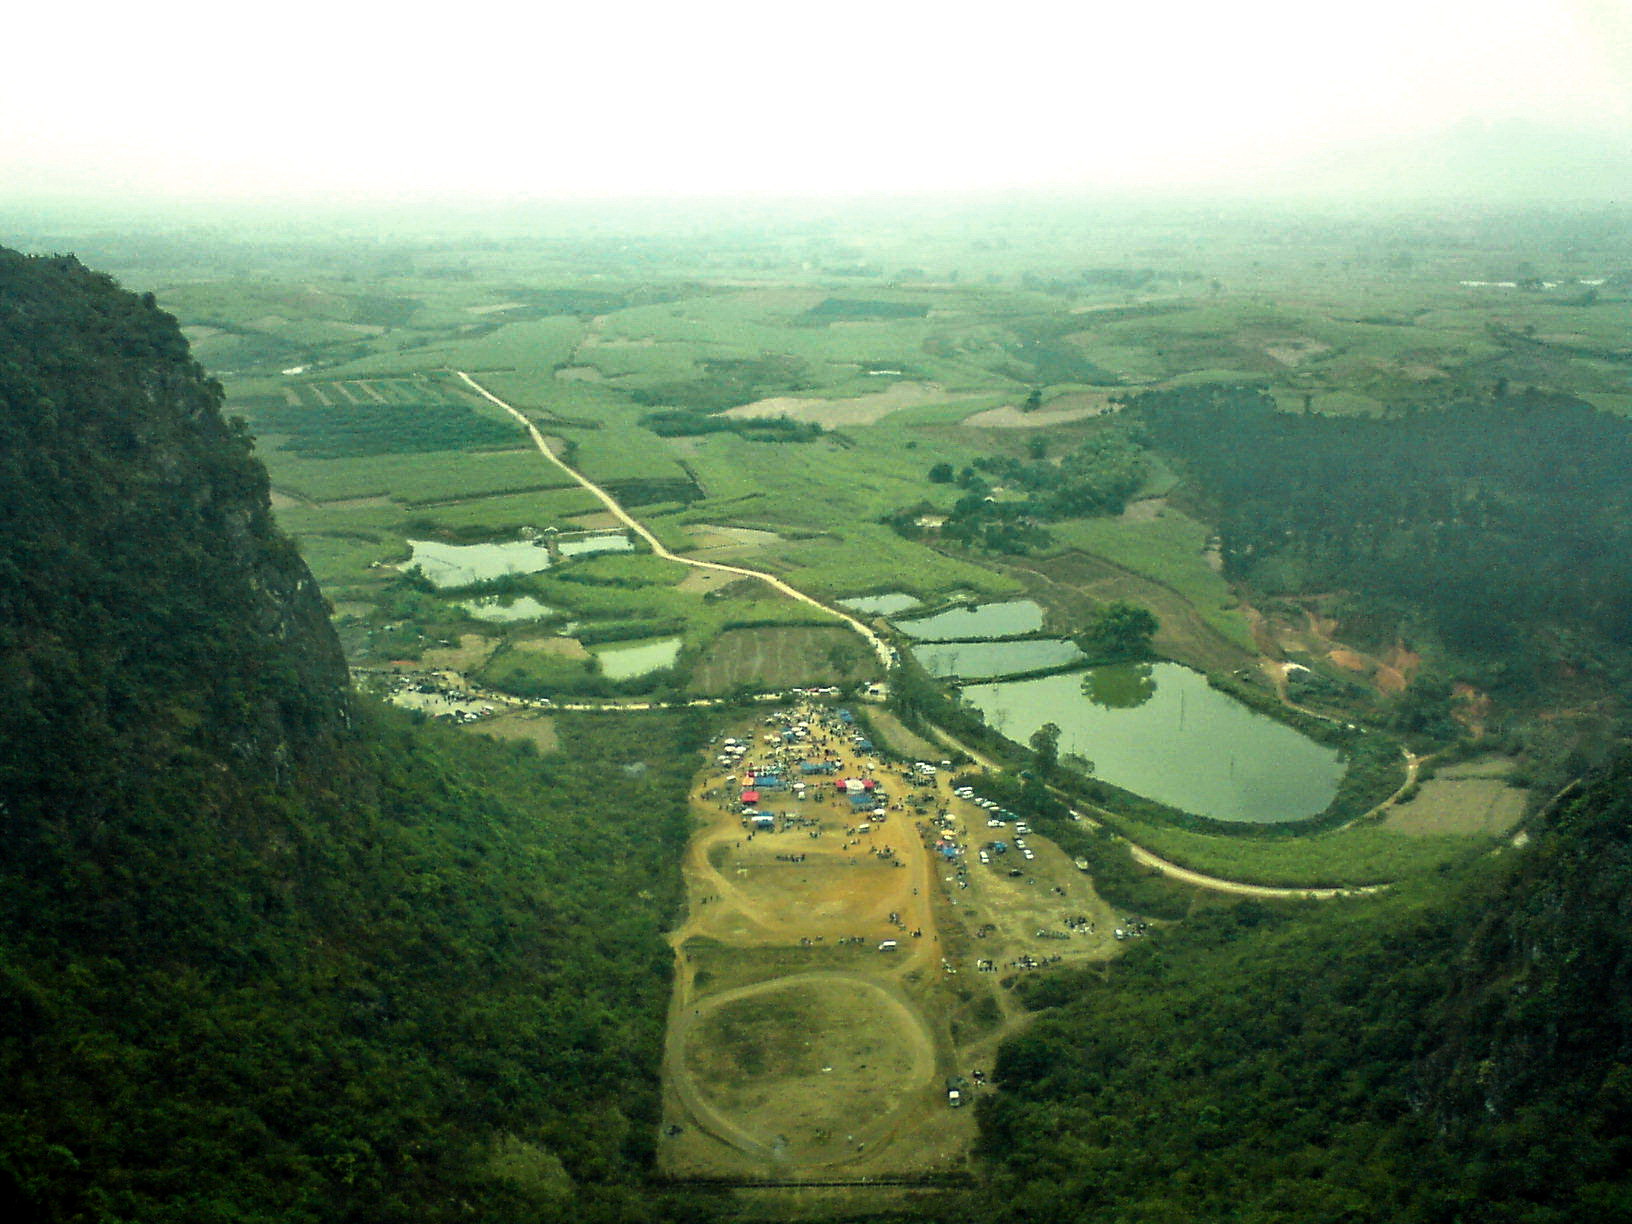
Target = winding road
(886,658)
(881,648)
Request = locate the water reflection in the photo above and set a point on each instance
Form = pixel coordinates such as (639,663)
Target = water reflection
(1120,686)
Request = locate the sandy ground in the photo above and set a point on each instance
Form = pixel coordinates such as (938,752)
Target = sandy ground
(837,413)
(798,1048)
(439,704)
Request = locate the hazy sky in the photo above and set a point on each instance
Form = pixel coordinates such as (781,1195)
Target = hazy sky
(218,99)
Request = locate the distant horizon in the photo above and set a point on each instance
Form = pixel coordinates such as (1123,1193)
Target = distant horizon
(728,100)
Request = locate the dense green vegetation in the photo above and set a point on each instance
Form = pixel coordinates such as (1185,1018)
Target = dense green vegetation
(1461,515)
(1006,498)
(386,429)
(680,424)
(265,952)
(273,954)
(1436,1056)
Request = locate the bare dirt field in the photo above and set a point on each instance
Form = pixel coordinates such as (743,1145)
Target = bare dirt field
(833,973)
(595,520)
(837,413)
(1472,797)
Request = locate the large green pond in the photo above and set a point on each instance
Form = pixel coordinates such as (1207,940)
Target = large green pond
(977,659)
(994,620)
(887,604)
(459,565)
(625,661)
(1159,730)
(507,609)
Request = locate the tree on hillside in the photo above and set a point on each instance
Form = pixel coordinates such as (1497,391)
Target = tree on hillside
(941,473)
(1120,630)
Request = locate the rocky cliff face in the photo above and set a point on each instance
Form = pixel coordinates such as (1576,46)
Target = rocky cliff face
(149,609)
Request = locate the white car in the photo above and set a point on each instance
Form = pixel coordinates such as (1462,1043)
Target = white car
(1028,854)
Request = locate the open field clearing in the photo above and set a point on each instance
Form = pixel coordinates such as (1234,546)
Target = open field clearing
(536,343)
(773,658)
(1361,854)
(1472,798)
(430,477)
(1071,585)
(834,977)
(1061,410)
(523,725)
(838,413)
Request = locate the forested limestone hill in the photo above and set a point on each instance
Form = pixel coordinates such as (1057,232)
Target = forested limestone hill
(266,952)
(1459,1053)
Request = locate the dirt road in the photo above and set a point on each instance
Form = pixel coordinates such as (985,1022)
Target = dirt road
(881,648)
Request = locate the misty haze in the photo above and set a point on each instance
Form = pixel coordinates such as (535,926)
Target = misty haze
(879,613)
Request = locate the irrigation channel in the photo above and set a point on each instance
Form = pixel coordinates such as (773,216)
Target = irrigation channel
(886,657)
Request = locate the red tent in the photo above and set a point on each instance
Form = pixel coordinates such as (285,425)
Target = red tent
(750,796)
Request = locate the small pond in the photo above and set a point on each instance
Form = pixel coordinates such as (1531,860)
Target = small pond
(583,546)
(498,608)
(993,620)
(457,565)
(887,604)
(626,660)
(1159,730)
(977,659)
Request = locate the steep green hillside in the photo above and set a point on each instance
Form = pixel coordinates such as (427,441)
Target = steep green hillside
(267,953)
(1457,1057)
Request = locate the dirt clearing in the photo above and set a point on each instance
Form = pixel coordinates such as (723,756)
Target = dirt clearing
(837,413)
